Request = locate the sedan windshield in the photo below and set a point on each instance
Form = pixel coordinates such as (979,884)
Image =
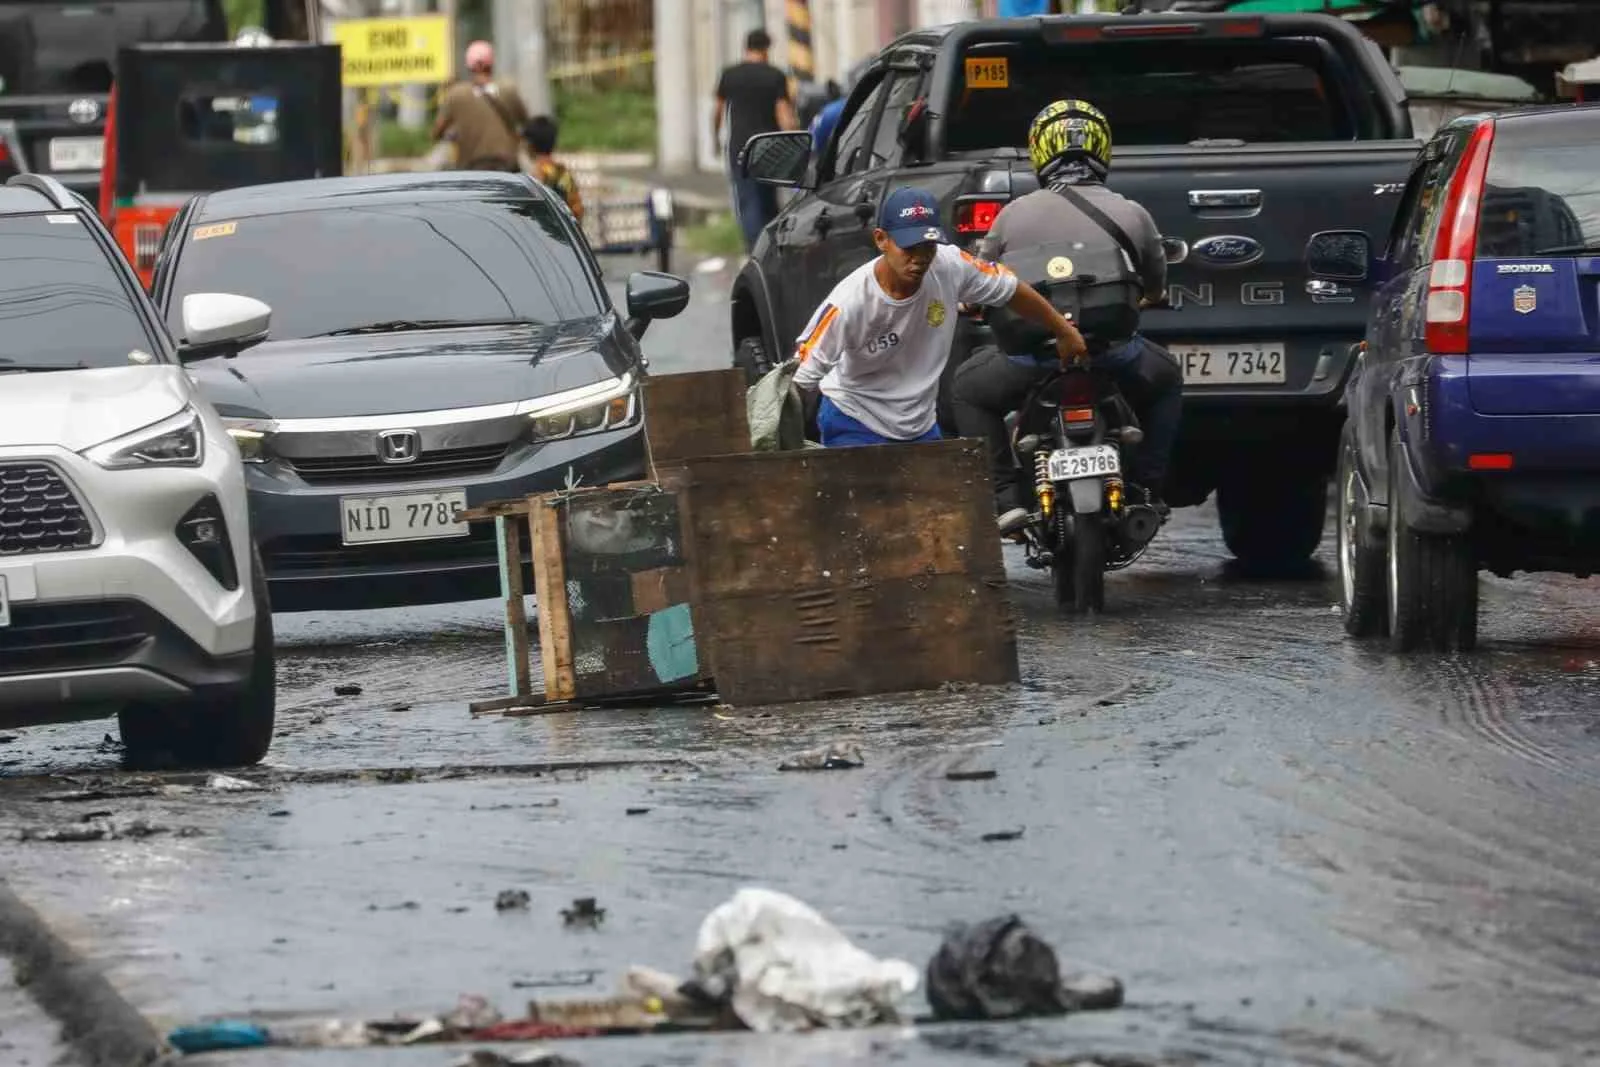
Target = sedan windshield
(378,267)
(62,303)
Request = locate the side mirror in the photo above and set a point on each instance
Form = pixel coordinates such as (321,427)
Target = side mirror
(653,295)
(1339,255)
(221,324)
(1175,249)
(776,158)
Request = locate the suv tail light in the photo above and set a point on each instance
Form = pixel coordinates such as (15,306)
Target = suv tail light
(1449,305)
(976,217)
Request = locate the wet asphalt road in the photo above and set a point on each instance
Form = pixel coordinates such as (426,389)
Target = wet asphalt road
(1291,847)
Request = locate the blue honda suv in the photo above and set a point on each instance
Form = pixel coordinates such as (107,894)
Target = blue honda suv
(1473,433)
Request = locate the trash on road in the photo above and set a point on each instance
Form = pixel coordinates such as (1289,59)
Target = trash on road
(583,913)
(637,811)
(102,828)
(512,900)
(556,980)
(217,1036)
(533,1057)
(1003,835)
(841,755)
(782,967)
(971,776)
(1000,969)
(224,783)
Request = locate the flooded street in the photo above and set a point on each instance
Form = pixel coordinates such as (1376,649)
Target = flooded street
(1292,848)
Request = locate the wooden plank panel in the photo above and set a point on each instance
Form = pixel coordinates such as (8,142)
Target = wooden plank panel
(847,571)
(699,414)
(798,519)
(511,527)
(550,587)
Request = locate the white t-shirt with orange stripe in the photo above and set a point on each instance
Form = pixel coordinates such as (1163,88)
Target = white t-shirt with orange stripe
(879,359)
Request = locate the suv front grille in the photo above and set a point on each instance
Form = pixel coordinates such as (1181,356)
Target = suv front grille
(39,512)
(440,463)
(68,636)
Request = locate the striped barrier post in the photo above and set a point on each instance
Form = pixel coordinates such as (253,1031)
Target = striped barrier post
(801,63)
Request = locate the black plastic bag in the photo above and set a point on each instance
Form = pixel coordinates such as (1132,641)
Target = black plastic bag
(1000,969)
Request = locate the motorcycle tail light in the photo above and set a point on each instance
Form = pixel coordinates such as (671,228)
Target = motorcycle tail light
(1073,415)
(1077,390)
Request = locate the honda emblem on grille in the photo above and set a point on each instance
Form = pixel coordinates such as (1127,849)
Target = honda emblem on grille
(398,446)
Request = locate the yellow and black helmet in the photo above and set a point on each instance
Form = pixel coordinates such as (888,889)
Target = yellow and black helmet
(1070,131)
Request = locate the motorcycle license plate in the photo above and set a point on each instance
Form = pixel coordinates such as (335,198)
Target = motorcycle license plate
(1092,462)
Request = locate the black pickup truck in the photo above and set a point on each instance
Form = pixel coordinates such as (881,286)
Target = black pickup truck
(1242,135)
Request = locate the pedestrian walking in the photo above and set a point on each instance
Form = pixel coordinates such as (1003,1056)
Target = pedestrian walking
(754,94)
(484,117)
(540,135)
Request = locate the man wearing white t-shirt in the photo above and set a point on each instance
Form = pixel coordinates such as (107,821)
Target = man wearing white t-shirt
(878,345)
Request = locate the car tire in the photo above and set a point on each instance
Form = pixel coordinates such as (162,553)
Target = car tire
(1271,524)
(1363,573)
(1432,579)
(751,357)
(230,729)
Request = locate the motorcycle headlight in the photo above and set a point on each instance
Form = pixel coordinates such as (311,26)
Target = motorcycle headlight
(609,405)
(251,437)
(176,441)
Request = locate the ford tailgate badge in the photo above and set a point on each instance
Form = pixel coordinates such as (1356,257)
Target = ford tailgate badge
(1227,250)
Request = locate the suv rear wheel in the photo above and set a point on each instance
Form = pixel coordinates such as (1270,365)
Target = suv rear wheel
(1433,579)
(233,729)
(1361,564)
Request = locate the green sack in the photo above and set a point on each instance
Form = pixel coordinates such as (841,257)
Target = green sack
(776,412)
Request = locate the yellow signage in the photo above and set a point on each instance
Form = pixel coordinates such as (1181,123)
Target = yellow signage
(414,50)
(988,73)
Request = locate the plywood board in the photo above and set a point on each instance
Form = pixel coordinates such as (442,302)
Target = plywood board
(698,414)
(837,572)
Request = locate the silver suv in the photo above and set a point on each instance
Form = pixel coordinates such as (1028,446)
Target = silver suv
(129,585)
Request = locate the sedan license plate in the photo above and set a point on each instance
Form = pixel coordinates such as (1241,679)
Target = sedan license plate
(1092,462)
(1232,363)
(77,153)
(404,517)
(5,603)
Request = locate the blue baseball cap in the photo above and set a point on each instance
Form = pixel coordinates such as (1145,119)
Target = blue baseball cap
(911,217)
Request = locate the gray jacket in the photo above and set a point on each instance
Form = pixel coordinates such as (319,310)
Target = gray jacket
(1044,217)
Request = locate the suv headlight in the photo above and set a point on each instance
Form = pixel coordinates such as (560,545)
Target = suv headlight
(251,437)
(176,441)
(608,405)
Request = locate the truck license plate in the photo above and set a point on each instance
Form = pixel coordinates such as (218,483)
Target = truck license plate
(5,603)
(1232,363)
(77,153)
(1092,462)
(404,517)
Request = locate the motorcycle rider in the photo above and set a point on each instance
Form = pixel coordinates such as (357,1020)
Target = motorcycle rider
(877,347)
(1069,143)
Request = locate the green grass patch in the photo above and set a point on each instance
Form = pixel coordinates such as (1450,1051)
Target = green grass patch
(717,236)
(606,120)
(397,142)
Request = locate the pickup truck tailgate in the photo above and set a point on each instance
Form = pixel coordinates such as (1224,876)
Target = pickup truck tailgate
(1243,323)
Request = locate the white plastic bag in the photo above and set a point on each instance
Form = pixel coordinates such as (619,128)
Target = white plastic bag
(789,969)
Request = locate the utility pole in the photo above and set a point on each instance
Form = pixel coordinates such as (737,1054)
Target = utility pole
(675,98)
(533,70)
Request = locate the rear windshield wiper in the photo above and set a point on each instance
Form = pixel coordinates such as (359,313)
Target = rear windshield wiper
(1567,250)
(399,325)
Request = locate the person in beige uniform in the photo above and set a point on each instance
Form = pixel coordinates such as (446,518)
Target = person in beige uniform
(484,118)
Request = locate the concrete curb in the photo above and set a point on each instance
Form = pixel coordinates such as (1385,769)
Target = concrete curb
(99,1025)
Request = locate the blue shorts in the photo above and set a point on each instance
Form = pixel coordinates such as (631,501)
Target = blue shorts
(841,431)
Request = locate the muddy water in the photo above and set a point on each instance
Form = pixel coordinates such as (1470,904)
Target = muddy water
(1293,848)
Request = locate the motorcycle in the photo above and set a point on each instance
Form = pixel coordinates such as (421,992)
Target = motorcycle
(1072,431)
